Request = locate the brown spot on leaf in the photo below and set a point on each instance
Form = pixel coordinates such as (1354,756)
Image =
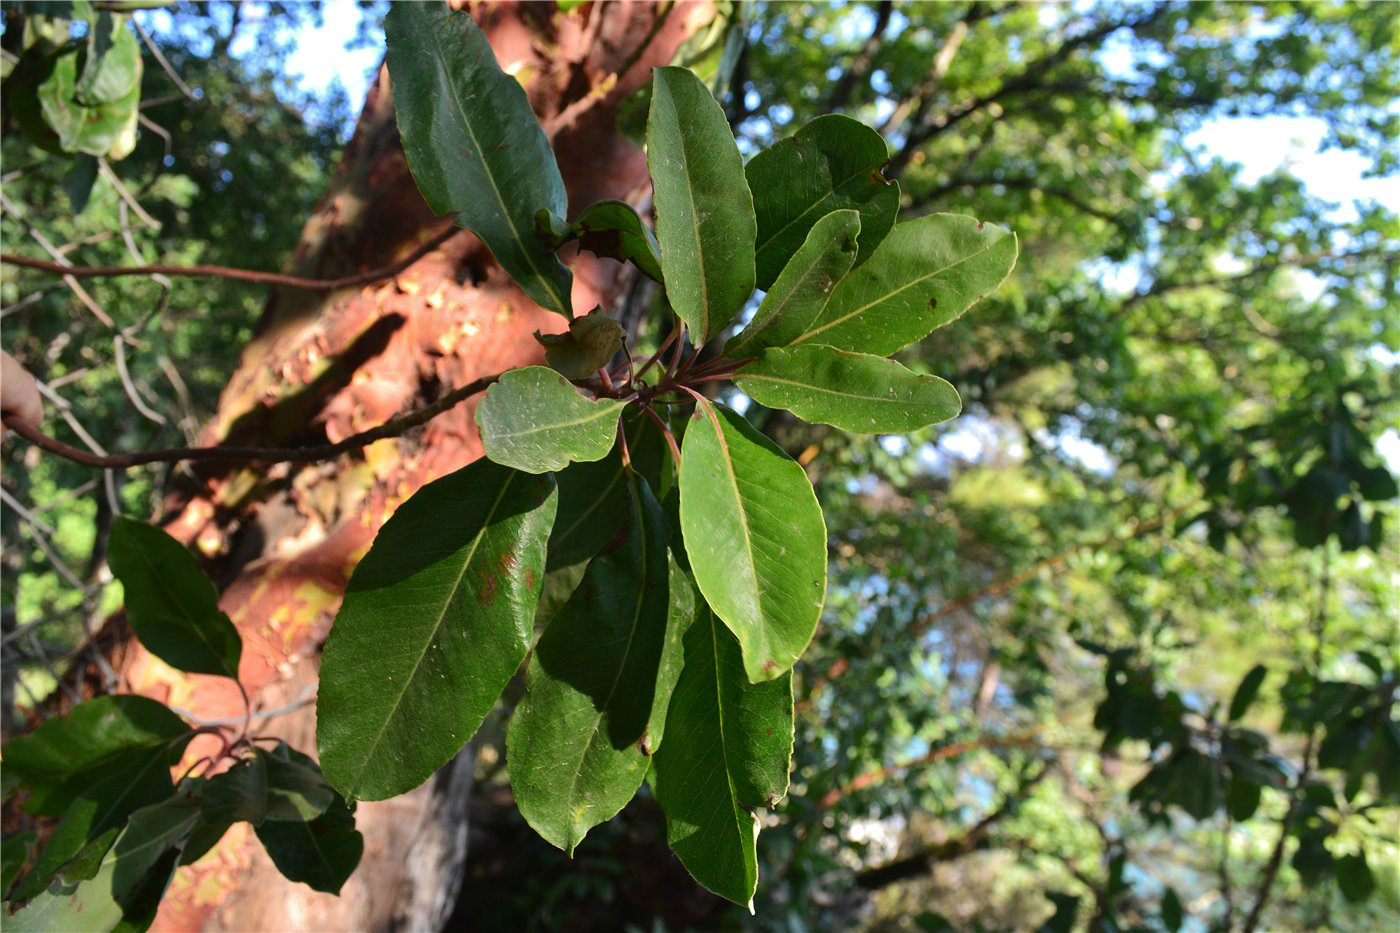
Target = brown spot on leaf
(769,665)
(933,302)
(529,578)
(505,563)
(487,594)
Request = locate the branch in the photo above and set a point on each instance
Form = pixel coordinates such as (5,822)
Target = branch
(392,428)
(937,754)
(237,275)
(841,93)
(1022,184)
(922,862)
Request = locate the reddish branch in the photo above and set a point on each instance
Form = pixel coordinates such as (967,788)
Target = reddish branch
(937,754)
(237,275)
(392,428)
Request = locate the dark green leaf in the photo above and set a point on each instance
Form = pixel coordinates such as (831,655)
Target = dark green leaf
(474,145)
(727,752)
(755,538)
(853,391)
(801,292)
(613,229)
(69,754)
(532,419)
(1172,913)
(321,853)
(1354,877)
(14,853)
(170,603)
(436,620)
(833,163)
(1247,691)
(1242,798)
(926,273)
(685,606)
(704,212)
(77,184)
(576,746)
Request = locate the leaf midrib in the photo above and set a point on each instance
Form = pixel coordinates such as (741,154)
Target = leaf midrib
(597,411)
(442,615)
(756,330)
(194,623)
(490,174)
(880,400)
(726,457)
(813,206)
(695,222)
(724,744)
(888,295)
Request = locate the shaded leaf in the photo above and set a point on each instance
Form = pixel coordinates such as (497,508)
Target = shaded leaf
(833,163)
(926,273)
(575,749)
(474,145)
(436,619)
(614,230)
(704,212)
(727,752)
(852,391)
(66,755)
(803,288)
(1354,877)
(755,538)
(1247,691)
(590,342)
(533,420)
(170,603)
(321,853)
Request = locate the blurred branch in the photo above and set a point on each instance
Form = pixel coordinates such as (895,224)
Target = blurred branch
(1023,184)
(860,65)
(226,272)
(938,754)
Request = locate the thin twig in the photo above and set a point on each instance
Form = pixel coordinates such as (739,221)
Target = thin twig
(237,275)
(392,428)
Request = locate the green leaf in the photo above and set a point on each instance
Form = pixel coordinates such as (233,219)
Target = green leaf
(926,273)
(755,538)
(321,853)
(66,755)
(575,750)
(532,419)
(590,342)
(1172,912)
(852,391)
(124,889)
(112,66)
(801,292)
(704,212)
(592,509)
(613,229)
(141,779)
(727,752)
(282,784)
(100,129)
(1247,691)
(1241,798)
(436,620)
(833,163)
(474,145)
(14,853)
(685,605)
(1354,877)
(170,603)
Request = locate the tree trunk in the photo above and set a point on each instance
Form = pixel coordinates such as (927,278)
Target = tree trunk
(283,540)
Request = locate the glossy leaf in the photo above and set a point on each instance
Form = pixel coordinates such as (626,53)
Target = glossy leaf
(803,288)
(852,391)
(67,754)
(436,620)
(755,538)
(926,273)
(576,747)
(474,145)
(321,853)
(704,212)
(727,752)
(833,163)
(533,420)
(613,229)
(170,603)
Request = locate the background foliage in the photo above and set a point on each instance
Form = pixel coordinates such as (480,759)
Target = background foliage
(1025,705)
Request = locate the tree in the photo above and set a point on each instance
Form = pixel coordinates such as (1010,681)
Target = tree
(1227,499)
